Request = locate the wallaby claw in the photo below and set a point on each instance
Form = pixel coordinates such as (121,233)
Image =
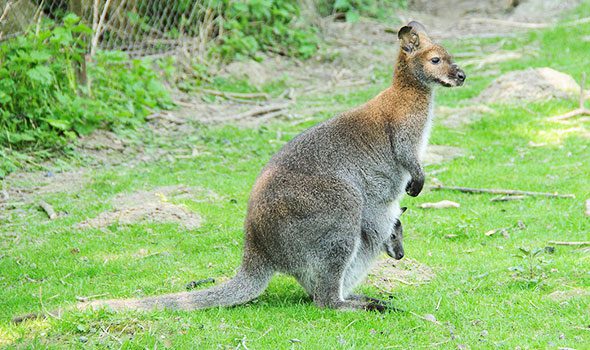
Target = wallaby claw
(414,187)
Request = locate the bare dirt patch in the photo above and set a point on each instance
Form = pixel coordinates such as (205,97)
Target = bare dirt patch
(389,273)
(455,118)
(538,84)
(565,295)
(25,187)
(437,154)
(153,206)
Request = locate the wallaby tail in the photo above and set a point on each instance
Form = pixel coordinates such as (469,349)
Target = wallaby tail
(250,281)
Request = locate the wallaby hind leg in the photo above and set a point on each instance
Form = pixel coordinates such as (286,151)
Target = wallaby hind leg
(327,281)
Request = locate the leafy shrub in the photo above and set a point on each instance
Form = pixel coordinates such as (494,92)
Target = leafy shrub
(42,104)
(267,25)
(353,9)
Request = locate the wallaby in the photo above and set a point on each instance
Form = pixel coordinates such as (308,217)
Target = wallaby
(326,205)
(394,245)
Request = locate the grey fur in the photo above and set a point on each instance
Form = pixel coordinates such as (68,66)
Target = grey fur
(327,204)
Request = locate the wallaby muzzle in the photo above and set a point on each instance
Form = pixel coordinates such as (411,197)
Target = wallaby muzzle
(457,75)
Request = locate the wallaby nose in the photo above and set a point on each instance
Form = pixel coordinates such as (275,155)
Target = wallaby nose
(461,75)
(399,256)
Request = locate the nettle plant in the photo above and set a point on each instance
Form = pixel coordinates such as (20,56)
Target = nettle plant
(42,104)
(534,264)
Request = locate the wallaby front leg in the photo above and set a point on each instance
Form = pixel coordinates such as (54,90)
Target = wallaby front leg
(404,154)
(414,187)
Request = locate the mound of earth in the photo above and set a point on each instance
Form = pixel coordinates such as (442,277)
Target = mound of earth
(437,154)
(388,273)
(455,118)
(153,206)
(455,8)
(534,84)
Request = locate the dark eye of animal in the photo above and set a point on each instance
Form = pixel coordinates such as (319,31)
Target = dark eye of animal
(435,60)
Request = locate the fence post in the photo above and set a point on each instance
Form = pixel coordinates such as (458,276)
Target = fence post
(81,75)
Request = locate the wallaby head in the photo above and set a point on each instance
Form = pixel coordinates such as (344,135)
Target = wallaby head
(394,245)
(429,62)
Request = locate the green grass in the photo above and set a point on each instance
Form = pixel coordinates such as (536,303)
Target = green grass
(483,294)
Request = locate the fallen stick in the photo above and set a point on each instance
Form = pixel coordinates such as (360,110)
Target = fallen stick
(507,198)
(261,110)
(90,297)
(515,24)
(581,110)
(569,243)
(48,210)
(499,191)
(228,94)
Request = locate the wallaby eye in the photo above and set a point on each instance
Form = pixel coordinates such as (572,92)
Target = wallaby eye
(435,60)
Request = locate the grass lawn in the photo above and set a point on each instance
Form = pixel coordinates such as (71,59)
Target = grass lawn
(486,293)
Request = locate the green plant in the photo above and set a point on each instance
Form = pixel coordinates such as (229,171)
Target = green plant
(353,9)
(533,264)
(42,105)
(266,25)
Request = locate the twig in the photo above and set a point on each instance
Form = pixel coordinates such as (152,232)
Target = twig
(261,110)
(404,281)
(48,210)
(195,284)
(5,12)
(426,319)
(507,198)
(581,110)
(90,297)
(569,243)
(510,23)
(268,116)
(98,28)
(500,191)
(228,94)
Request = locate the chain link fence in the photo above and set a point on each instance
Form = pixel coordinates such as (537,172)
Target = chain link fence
(138,27)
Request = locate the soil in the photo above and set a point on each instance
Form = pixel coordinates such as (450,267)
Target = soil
(562,296)
(534,84)
(387,274)
(153,206)
(455,118)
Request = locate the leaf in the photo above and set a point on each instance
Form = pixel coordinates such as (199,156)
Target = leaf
(342,5)
(39,56)
(4,98)
(352,16)
(41,75)
(524,250)
(59,124)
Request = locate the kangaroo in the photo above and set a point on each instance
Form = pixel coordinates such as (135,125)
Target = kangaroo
(326,205)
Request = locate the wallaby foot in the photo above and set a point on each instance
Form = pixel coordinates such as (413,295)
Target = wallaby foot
(352,305)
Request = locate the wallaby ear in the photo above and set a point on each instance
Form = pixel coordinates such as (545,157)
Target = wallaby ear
(403,209)
(417,26)
(409,39)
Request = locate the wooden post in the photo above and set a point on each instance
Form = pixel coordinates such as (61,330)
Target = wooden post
(81,74)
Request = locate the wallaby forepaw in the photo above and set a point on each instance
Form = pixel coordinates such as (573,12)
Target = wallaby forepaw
(414,187)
